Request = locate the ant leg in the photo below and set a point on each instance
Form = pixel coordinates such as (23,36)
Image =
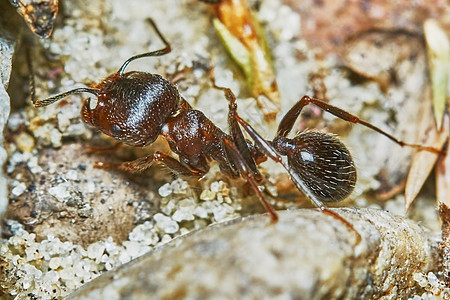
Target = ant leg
(159,52)
(291,116)
(235,130)
(270,151)
(236,157)
(211,1)
(236,134)
(100,150)
(143,163)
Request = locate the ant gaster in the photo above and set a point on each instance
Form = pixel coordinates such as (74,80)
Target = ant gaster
(136,107)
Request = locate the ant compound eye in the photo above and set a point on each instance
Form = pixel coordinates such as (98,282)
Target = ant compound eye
(116,130)
(93,102)
(324,165)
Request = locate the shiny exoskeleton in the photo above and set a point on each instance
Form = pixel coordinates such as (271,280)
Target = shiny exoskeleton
(136,107)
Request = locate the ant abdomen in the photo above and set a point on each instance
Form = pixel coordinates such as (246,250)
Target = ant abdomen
(324,164)
(132,107)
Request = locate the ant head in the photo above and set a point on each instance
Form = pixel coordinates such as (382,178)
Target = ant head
(132,107)
(324,165)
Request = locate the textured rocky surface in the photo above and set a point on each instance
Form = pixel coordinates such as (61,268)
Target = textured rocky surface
(6,52)
(306,255)
(74,222)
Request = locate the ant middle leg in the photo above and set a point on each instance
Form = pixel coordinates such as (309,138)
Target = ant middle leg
(104,150)
(291,116)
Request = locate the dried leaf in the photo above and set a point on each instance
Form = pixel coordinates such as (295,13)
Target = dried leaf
(237,50)
(244,39)
(38,15)
(423,162)
(438,47)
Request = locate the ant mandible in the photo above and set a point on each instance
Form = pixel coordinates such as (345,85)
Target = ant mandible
(136,107)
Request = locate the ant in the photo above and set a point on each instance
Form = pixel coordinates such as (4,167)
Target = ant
(136,107)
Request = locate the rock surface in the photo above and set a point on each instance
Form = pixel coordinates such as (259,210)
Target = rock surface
(306,255)
(6,52)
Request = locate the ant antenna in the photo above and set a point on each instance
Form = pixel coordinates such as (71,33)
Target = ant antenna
(159,52)
(50,100)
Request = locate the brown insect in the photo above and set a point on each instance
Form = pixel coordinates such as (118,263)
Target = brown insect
(39,15)
(136,107)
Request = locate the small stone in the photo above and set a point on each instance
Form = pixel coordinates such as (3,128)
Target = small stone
(66,193)
(56,138)
(72,175)
(133,248)
(19,189)
(222,212)
(207,195)
(428,296)
(169,207)
(165,190)
(200,212)
(124,257)
(165,223)
(183,214)
(423,282)
(179,186)
(55,262)
(76,130)
(51,277)
(432,279)
(96,250)
(110,246)
(25,142)
(215,186)
(145,234)
(165,239)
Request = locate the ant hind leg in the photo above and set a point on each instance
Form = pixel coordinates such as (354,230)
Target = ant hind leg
(291,116)
(143,163)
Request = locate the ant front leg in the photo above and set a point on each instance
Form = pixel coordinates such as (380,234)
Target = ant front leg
(141,164)
(291,116)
